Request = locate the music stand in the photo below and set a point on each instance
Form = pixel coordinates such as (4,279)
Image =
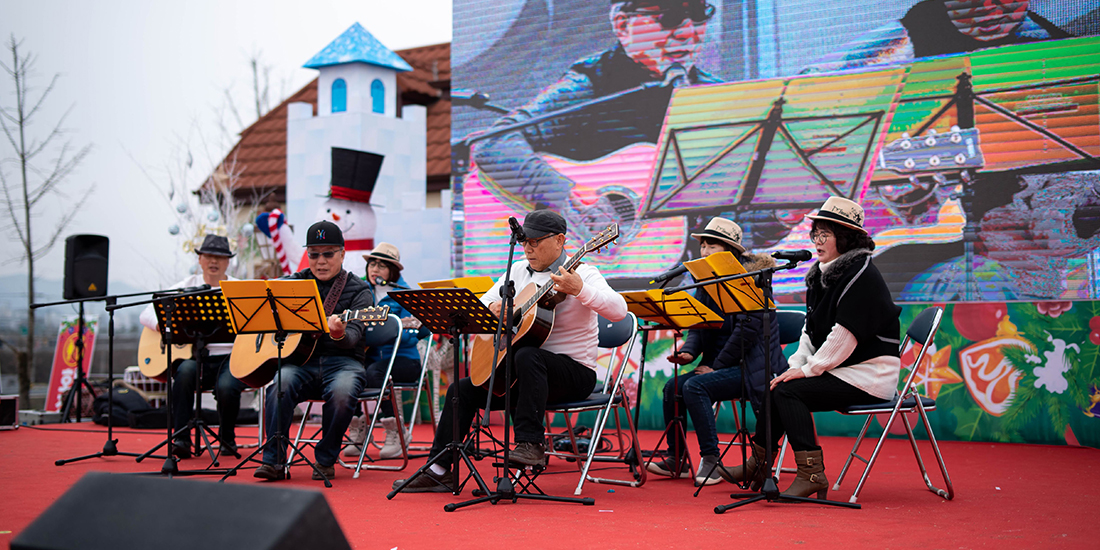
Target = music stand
(676,311)
(453,311)
(201,319)
(283,307)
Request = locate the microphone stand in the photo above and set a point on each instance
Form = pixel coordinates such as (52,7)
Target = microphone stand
(770,490)
(110,447)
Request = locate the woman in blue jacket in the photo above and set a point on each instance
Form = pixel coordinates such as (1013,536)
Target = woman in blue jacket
(383,276)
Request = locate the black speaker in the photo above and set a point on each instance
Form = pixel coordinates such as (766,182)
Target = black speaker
(85,266)
(119,512)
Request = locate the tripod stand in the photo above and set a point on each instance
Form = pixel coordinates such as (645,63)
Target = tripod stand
(455,311)
(763,278)
(282,307)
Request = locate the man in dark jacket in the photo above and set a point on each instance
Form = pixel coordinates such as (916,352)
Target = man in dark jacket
(658,41)
(335,371)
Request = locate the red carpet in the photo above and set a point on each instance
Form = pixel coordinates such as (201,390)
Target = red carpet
(1007,495)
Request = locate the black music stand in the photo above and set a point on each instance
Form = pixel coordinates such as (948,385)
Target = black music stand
(673,311)
(736,291)
(283,307)
(185,319)
(453,311)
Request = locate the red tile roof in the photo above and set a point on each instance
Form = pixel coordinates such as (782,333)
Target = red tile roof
(259,158)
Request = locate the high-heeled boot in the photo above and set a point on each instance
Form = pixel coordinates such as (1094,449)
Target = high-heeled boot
(811,475)
(749,470)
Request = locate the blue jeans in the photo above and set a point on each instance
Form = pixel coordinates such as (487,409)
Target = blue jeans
(338,380)
(216,376)
(698,394)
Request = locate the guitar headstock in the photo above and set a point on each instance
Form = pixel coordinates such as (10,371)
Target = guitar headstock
(603,238)
(374,315)
(956,150)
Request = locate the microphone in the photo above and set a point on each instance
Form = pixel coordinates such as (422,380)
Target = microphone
(195,288)
(793,255)
(378,281)
(517,230)
(670,274)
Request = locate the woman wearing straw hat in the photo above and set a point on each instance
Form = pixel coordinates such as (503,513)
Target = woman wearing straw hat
(848,353)
(718,375)
(384,275)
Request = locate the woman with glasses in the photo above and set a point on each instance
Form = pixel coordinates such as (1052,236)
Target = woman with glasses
(718,375)
(848,353)
(384,275)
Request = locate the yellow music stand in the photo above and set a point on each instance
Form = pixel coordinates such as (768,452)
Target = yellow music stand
(679,310)
(477,285)
(732,296)
(283,307)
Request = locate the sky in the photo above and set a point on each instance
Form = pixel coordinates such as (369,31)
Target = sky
(144,81)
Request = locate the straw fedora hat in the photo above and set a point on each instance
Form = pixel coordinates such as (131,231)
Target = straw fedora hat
(386,252)
(721,229)
(841,211)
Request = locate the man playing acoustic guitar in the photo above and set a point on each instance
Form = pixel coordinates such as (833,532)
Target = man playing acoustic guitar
(334,371)
(214,257)
(563,368)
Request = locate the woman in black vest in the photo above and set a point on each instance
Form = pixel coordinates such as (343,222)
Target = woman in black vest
(848,353)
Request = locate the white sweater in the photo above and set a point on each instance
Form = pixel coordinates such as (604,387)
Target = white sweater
(149,316)
(576,325)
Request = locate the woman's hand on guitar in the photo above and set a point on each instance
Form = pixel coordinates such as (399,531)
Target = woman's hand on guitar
(680,358)
(495,308)
(410,322)
(336,327)
(567,281)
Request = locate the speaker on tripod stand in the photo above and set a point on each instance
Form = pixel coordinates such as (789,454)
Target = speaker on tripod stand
(85,266)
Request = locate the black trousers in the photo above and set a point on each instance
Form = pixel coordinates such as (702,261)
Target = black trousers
(405,370)
(541,377)
(793,402)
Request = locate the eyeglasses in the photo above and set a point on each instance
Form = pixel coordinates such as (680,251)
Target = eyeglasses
(377,263)
(673,18)
(534,243)
(328,255)
(819,237)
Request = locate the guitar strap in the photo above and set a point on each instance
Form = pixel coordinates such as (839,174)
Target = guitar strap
(334,293)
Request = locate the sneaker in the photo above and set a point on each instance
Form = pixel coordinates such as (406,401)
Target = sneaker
(528,454)
(427,482)
(710,465)
(322,472)
(668,467)
(357,433)
(269,473)
(392,447)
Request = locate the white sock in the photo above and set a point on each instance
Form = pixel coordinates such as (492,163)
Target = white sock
(437,469)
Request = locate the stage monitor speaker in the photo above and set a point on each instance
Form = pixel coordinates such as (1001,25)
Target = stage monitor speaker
(85,266)
(119,512)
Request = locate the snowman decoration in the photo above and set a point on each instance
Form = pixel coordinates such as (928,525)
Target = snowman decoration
(348,206)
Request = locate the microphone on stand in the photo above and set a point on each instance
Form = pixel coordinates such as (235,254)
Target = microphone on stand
(517,230)
(670,274)
(793,255)
(378,281)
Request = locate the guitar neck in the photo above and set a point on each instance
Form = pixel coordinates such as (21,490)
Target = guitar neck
(569,265)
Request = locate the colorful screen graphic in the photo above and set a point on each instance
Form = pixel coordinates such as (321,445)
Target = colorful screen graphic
(969,131)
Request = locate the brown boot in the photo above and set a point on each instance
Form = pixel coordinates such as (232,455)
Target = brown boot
(738,474)
(810,478)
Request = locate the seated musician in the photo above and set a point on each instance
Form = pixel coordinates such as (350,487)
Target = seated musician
(562,369)
(214,257)
(718,375)
(384,275)
(334,372)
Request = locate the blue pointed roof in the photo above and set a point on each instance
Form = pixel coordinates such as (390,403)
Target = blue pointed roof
(356,45)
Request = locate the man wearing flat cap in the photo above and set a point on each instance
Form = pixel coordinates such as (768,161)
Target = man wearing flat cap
(335,370)
(213,255)
(562,369)
(657,42)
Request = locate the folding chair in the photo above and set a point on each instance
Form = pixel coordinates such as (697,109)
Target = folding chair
(791,324)
(921,332)
(391,329)
(423,388)
(618,336)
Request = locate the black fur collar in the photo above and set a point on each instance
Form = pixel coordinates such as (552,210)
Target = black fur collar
(837,268)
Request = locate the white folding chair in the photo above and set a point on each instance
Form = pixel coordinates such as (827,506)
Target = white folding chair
(921,332)
(390,329)
(618,336)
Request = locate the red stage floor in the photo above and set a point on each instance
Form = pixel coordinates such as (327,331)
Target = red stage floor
(1007,495)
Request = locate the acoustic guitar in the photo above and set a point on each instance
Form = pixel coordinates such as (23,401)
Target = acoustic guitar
(255,357)
(533,318)
(153,356)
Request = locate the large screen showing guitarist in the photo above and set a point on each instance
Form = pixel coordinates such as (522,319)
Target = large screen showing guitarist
(561,367)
